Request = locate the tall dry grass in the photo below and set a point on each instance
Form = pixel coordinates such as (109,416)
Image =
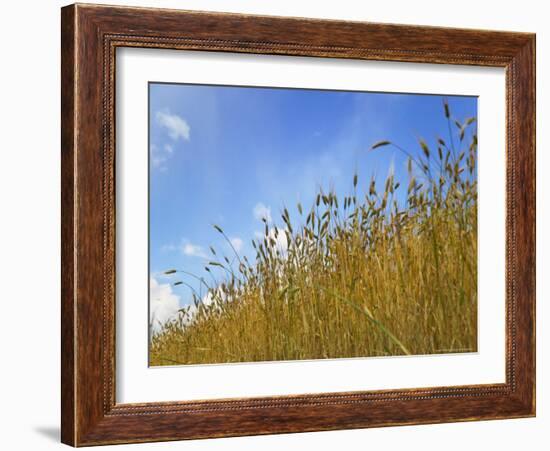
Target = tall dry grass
(368,274)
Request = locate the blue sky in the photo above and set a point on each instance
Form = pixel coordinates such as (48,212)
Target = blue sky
(229,155)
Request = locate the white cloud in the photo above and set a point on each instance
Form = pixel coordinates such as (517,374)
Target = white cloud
(163,304)
(216,295)
(262,212)
(158,157)
(177,126)
(237,243)
(278,235)
(391,167)
(193,250)
(187,314)
(186,248)
(209,297)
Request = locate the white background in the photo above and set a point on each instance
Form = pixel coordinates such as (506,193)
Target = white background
(29,248)
(138,383)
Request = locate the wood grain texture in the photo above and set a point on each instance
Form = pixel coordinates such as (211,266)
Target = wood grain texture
(68,400)
(90,35)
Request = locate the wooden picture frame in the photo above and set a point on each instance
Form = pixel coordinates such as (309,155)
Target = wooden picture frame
(90,35)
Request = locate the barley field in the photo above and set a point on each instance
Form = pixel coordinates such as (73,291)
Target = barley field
(388,268)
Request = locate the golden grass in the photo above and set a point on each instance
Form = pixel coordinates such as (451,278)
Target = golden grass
(354,276)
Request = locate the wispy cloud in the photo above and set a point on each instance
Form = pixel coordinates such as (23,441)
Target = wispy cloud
(237,243)
(193,250)
(177,126)
(262,212)
(160,156)
(391,167)
(187,248)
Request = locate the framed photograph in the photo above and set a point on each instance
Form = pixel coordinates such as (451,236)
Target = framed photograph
(279,225)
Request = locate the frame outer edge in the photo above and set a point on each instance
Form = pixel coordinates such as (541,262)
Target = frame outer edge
(525,61)
(86,419)
(68,229)
(534,225)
